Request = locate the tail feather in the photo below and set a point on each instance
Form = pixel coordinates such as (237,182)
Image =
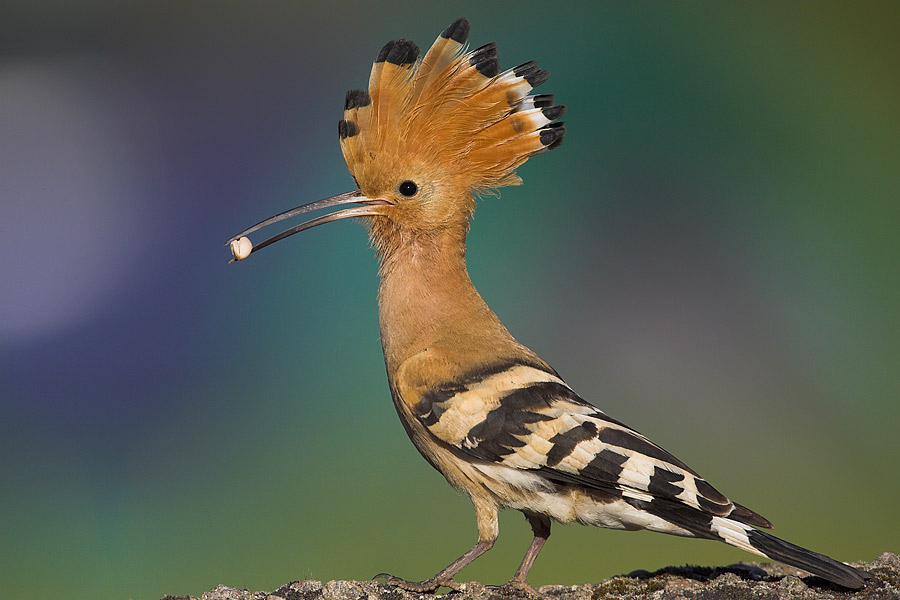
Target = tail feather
(745,537)
(817,564)
(745,515)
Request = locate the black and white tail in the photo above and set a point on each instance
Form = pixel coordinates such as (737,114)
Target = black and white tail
(778,549)
(745,537)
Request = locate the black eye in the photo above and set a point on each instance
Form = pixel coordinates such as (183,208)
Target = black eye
(408,188)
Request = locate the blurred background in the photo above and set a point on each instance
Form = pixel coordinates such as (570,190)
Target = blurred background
(711,257)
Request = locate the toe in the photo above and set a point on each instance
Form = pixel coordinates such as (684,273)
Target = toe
(518,588)
(429,585)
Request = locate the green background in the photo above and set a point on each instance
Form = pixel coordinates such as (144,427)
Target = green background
(711,257)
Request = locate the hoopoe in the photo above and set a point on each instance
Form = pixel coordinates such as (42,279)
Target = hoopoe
(497,421)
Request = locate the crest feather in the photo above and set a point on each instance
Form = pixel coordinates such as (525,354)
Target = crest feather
(449,45)
(452,112)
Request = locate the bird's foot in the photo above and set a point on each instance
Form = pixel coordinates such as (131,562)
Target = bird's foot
(429,585)
(516,588)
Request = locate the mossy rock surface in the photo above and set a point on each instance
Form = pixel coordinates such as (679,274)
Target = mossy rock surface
(742,581)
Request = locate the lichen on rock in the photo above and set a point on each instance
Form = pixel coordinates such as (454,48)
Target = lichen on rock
(742,581)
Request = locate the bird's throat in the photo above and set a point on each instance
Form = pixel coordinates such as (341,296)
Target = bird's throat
(426,297)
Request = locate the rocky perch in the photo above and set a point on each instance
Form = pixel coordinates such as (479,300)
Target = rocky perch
(742,581)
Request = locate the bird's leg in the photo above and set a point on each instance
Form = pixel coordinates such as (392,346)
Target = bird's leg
(488,529)
(540,525)
(445,577)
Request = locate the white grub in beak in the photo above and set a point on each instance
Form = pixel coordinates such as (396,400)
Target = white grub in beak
(241,248)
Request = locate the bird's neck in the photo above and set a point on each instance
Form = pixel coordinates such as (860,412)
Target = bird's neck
(426,298)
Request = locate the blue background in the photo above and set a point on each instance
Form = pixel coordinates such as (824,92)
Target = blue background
(711,257)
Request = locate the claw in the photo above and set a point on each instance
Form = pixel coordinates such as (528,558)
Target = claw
(515,588)
(429,585)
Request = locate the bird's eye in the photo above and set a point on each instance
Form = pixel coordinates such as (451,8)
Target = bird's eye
(408,188)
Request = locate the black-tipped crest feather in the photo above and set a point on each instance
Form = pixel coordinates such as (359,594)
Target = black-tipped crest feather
(356,99)
(552,135)
(347,129)
(398,52)
(458,31)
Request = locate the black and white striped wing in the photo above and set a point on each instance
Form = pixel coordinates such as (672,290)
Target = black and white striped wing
(524,417)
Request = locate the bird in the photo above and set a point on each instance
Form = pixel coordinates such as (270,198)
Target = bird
(427,137)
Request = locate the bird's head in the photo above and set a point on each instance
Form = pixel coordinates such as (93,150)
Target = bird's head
(428,135)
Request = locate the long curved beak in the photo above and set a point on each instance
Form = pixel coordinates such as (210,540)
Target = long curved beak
(241,247)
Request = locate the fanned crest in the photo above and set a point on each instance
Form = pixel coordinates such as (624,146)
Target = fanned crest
(452,112)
